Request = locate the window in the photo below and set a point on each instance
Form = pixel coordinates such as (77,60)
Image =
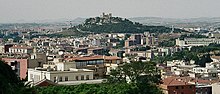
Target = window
(182,93)
(190,86)
(177,87)
(54,79)
(87,77)
(77,78)
(82,77)
(60,79)
(31,76)
(66,78)
(182,87)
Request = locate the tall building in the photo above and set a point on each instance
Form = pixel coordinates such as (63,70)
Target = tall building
(130,43)
(137,38)
(196,41)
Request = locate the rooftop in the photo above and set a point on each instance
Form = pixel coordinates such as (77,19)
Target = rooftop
(94,58)
(175,81)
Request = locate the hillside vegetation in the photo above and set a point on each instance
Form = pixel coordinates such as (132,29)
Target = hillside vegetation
(118,25)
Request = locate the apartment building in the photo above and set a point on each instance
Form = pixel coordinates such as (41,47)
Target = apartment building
(176,85)
(21,49)
(196,41)
(38,74)
(202,72)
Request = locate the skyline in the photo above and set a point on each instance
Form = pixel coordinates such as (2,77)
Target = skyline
(33,10)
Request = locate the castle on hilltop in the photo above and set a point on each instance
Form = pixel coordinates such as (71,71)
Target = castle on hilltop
(106,16)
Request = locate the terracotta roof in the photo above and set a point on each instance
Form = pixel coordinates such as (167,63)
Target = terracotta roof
(175,81)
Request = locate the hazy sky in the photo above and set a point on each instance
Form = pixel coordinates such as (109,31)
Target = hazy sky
(30,10)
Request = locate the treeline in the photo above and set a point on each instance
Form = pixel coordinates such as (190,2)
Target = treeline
(122,88)
(205,49)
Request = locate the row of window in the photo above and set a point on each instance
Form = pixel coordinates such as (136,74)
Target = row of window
(182,87)
(67,79)
(18,50)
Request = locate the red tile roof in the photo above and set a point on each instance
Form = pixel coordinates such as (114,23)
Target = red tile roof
(175,81)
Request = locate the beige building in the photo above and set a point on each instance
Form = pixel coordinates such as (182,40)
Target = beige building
(2,49)
(72,74)
(20,49)
(196,41)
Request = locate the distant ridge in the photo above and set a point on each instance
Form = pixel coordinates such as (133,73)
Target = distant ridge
(187,22)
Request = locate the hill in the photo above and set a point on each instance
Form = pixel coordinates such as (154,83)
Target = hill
(107,24)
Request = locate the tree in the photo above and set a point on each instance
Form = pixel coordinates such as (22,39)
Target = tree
(135,71)
(204,59)
(10,83)
(120,88)
(142,74)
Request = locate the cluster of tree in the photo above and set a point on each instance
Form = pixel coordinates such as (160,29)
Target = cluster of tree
(119,25)
(14,36)
(143,48)
(191,54)
(192,36)
(203,60)
(122,88)
(205,49)
(144,75)
(181,55)
(10,83)
(120,45)
(167,43)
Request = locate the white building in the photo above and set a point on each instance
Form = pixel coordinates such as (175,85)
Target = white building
(20,49)
(196,41)
(39,74)
(61,71)
(215,88)
(204,72)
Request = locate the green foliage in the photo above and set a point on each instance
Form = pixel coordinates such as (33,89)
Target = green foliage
(191,55)
(14,36)
(119,25)
(142,48)
(120,45)
(142,74)
(181,55)
(205,49)
(133,71)
(10,83)
(192,36)
(167,43)
(122,88)
(204,59)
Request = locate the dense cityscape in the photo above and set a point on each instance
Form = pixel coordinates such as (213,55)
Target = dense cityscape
(108,54)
